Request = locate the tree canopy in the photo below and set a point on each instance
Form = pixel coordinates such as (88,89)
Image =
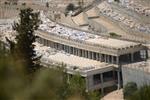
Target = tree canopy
(24,48)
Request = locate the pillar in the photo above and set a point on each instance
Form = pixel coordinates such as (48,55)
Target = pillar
(132,57)
(92,55)
(118,77)
(86,54)
(117,60)
(146,53)
(105,58)
(83,53)
(102,82)
(97,58)
(73,51)
(112,59)
(100,57)
(89,56)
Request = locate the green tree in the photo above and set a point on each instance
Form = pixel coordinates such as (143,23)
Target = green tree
(141,94)
(47,4)
(70,7)
(14,84)
(24,49)
(93,95)
(77,88)
(129,89)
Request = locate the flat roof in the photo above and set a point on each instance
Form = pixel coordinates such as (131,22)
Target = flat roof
(143,66)
(110,42)
(51,55)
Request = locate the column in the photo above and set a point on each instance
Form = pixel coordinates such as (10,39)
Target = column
(76,52)
(97,56)
(108,60)
(89,56)
(73,51)
(132,57)
(82,51)
(86,54)
(102,83)
(146,53)
(69,51)
(118,76)
(105,57)
(92,55)
(117,60)
(112,59)
(100,57)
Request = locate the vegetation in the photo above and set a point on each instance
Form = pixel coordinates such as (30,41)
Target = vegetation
(23,4)
(70,7)
(141,94)
(14,84)
(77,88)
(112,34)
(24,48)
(117,1)
(131,92)
(47,4)
(129,89)
(45,84)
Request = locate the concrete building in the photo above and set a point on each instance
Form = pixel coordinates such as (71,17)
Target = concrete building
(138,72)
(98,59)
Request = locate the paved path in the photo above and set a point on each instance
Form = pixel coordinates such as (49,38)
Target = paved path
(115,95)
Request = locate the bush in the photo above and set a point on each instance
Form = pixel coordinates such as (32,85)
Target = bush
(141,94)
(114,34)
(117,1)
(129,89)
(70,7)
(23,4)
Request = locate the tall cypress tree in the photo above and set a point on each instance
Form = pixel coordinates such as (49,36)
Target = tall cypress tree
(29,22)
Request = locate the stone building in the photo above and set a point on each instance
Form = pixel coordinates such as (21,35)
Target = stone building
(98,59)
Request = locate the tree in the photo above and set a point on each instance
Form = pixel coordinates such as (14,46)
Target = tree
(129,89)
(24,49)
(14,85)
(70,7)
(77,89)
(141,94)
(47,4)
(117,1)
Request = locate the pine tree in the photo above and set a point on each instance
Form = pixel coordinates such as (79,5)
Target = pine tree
(24,49)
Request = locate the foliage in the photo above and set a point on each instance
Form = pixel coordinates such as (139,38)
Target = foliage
(117,1)
(46,84)
(70,7)
(14,84)
(23,4)
(77,84)
(112,34)
(47,4)
(93,95)
(24,49)
(141,94)
(129,89)
(77,88)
